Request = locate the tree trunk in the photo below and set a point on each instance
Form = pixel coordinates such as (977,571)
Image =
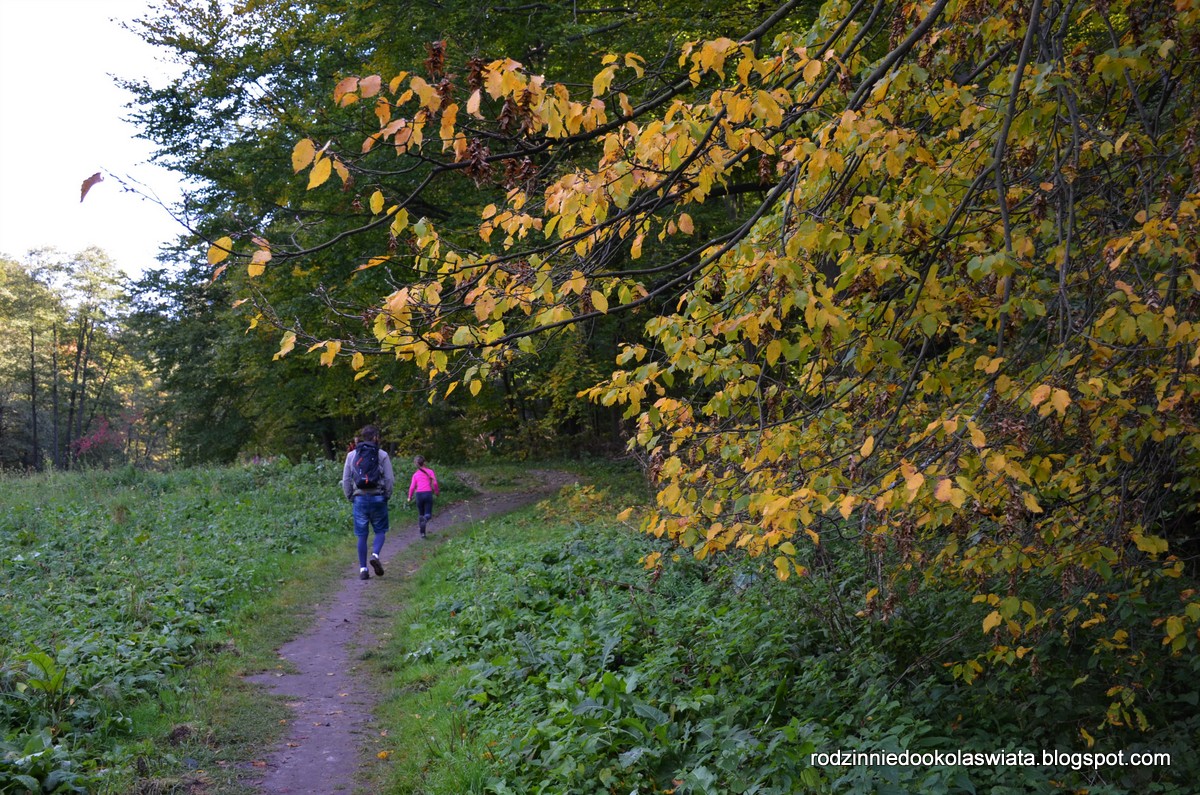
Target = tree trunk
(37,454)
(99,394)
(54,397)
(83,380)
(74,386)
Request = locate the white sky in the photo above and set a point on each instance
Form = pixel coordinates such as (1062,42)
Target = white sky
(61,120)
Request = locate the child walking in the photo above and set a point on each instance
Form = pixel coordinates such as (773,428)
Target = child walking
(424,485)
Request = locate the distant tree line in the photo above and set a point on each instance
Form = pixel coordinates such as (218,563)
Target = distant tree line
(73,388)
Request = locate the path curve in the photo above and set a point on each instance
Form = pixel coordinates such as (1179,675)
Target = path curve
(330,700)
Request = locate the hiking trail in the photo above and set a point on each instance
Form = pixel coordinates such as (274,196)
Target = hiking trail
(330,695)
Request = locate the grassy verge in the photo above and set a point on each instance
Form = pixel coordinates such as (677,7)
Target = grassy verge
(534,654)
(131,604)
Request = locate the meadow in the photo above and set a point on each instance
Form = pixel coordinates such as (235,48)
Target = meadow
(533,653)
(130,600)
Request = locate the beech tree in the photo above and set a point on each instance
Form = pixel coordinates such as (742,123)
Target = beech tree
(922,275)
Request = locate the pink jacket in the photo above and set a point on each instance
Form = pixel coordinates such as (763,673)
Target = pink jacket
(423,480)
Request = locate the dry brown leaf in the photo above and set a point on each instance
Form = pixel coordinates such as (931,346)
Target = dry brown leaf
(88,183)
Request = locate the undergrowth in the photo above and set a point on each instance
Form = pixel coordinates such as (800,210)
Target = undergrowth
(129,598)
(558,664)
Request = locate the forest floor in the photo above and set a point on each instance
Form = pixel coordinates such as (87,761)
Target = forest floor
(321,673)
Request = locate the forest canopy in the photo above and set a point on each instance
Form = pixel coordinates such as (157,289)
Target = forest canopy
(921,275)
(899,292)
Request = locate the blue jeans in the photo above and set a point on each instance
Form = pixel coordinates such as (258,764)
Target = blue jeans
(370,510)
(424,508)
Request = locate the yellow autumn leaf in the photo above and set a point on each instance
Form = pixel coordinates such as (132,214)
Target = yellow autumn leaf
(992,621)
(944,490)
(285,345)
(846,506)
(913,480)
(1060,400)
(258,262)
(342,172)
(219,250)
(603,80)
(1031,503)
(783,568)
(302,154)
(399,223)
(376,202)
(1150,544)
(685,224)
(774,351)
(372,263)
(473,103)
(599,301)
(357,360)
(1039,395)
(320,172)
(868,446)
(331,351)
(475,386)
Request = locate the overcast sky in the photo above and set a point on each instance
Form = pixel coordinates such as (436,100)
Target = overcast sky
(61,121)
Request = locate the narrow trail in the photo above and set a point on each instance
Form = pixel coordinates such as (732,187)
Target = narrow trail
(331,699)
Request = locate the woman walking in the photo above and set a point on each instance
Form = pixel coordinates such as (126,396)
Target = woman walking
(367,482)
(423,485)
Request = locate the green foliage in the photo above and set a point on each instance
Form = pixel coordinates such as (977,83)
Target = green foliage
(953,300)
(587,671)
(113,581)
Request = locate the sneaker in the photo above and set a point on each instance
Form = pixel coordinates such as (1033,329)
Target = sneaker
(363,574)
(377,565)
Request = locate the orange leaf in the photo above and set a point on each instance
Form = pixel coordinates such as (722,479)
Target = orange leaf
(258,262)
(344,87)
(369,86)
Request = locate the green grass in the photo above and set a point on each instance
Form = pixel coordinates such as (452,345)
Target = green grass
(131,603)
(423,730)
(530,653)
(533,654)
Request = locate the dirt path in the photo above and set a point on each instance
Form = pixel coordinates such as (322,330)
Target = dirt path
(331,700)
